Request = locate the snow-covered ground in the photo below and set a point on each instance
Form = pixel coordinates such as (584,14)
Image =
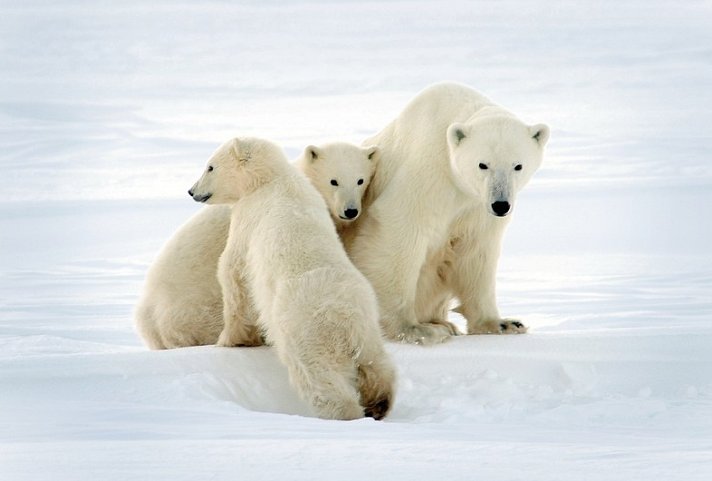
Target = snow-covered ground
(108,111)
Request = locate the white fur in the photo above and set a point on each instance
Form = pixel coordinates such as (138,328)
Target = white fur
(431,234)
(181,303)
(285,272)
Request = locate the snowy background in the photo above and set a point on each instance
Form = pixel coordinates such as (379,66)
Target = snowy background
(108,111)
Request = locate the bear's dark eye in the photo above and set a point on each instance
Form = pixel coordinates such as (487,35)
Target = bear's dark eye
(483,166)
(518,167)
(210,168)
(333,182)
(360,182)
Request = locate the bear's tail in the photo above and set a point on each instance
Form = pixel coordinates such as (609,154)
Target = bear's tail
(376,384)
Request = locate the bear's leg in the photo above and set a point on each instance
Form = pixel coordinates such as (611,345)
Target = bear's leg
(240,316)
(474,279)
(434,295)
(392,262)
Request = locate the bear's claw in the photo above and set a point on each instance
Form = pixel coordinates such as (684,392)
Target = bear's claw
(510,326)
(502,326)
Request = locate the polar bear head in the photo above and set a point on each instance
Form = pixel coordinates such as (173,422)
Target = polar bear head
(341,172)
(493,155)
(238,167)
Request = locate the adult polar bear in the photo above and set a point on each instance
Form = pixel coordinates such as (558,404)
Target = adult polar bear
(182,301)
(450,167)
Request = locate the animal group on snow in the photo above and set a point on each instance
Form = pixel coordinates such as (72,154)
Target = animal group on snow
(325,258)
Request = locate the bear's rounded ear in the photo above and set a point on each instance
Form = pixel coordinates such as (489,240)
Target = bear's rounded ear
(540,133)
(235,147)
(372,153)
(311,153)
(456,133)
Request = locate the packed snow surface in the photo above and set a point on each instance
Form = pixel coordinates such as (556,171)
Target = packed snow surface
(108,111)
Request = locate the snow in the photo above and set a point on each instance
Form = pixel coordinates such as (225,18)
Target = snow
(107,113)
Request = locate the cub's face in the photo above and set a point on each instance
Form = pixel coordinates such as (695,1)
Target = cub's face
(218,183)
(341,173)
(492,159)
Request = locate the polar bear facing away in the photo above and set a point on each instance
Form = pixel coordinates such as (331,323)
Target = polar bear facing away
(450,167)
(285,272)
(182,300)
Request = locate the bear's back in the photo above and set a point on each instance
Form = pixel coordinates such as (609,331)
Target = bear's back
(417,137)
(291,230)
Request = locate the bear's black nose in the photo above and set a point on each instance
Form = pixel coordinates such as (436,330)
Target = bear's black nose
(190,192)
(351,213)
(501,208)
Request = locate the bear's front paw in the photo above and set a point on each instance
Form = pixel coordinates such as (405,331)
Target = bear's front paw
(511,326)
(252,338)
(425,334)
(501,326)
(452,328)
(225,340)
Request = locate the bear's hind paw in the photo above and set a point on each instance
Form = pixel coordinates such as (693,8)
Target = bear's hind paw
(252,339)
(425,334)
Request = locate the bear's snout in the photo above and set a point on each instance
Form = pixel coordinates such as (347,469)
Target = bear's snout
(199,197)
(501,208)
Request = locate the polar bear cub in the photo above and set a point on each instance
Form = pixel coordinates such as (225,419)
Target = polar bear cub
(285,272)
(181,303)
